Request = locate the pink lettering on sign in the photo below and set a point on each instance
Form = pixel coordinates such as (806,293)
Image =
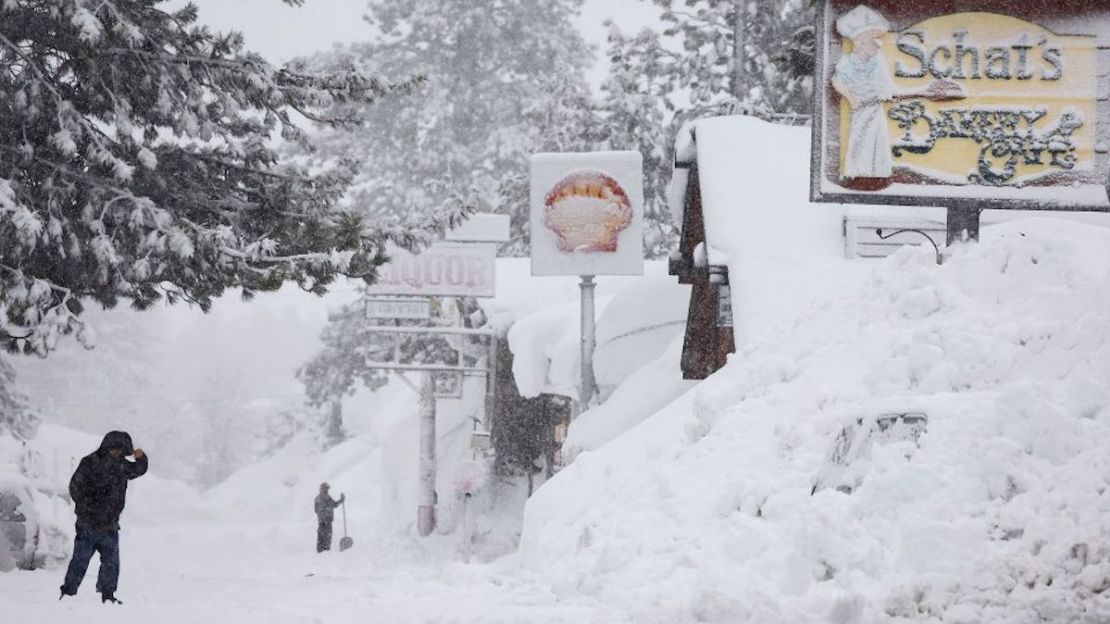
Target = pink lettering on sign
(444,269)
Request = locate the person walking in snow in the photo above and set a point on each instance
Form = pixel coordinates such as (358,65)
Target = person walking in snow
(99,491)
(325,515)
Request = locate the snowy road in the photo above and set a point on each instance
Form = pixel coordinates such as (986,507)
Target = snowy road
(210,573)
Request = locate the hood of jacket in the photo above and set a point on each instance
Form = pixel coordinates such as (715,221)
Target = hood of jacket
(116,440)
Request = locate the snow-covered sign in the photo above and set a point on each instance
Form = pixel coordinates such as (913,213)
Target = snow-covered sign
(587,213)
(444,269)
(410,308)
(1002,102)
(481,228)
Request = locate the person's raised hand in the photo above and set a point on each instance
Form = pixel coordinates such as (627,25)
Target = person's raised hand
(139,454)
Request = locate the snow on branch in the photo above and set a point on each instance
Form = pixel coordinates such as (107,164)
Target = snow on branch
(140,162)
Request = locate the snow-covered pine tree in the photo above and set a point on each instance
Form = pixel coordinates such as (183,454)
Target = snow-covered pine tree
(713,57)
(731,50)
(138,163)
(351,345)
(505,79)
(565,121)
(339,368)
(15,415)
(466,130)
(636,110)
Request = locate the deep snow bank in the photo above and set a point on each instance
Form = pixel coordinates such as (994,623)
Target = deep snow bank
(1001,514)
(643,393)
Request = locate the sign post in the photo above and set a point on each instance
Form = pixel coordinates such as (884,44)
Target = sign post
(587,220)
(425,512)
(463,267)
(588,387)
(963,224)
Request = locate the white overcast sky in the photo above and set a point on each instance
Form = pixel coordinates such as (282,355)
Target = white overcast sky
(280,32)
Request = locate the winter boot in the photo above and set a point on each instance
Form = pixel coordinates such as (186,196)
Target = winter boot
(66,593)
(109,597)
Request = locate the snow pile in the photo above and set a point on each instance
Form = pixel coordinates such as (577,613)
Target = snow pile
(998,514)
(543,317)
(651,387)
(636,327)
(546,349)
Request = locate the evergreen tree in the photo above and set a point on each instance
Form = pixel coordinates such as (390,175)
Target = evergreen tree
(636,109)
(338,369)
(137,162)
(463,138)
(15,416)
(713,57)
(565,121)
(352,343)
(729,50)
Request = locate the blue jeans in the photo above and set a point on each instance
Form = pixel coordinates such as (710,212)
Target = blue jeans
(88,541)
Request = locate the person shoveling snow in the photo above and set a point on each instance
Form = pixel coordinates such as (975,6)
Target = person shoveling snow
(325,515)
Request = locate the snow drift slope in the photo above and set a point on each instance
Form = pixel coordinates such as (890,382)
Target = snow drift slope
(1001,514)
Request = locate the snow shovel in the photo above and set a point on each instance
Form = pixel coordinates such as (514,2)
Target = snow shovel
(346,542)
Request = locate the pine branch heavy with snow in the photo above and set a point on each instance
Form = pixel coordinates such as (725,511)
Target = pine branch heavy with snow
(138,162)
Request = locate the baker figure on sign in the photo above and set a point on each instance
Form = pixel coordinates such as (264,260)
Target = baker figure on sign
(863,79)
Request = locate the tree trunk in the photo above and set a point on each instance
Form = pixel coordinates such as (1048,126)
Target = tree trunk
(335,423)
(738,56)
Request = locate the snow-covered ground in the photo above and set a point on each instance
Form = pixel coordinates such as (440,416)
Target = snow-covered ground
(766,493)
(245,550)
(726,506)
(260,572)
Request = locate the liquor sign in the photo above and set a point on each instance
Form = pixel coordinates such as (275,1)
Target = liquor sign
(587,213)
(410,309)
(1002,103)
(444,269)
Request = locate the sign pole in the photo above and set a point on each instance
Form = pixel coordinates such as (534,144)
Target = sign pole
(425,512)
(587,389)
(963,223)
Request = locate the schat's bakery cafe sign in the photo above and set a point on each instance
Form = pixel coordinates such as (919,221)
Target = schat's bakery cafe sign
(1000,103)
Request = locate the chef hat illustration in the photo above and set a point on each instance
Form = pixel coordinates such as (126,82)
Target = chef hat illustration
(860,20)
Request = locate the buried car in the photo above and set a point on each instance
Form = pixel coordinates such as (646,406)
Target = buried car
(19,529)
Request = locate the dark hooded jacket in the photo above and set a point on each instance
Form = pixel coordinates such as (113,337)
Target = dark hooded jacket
(99,485)
(325,507)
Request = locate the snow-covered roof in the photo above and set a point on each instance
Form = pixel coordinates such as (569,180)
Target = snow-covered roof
(779,247)
(755,188)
